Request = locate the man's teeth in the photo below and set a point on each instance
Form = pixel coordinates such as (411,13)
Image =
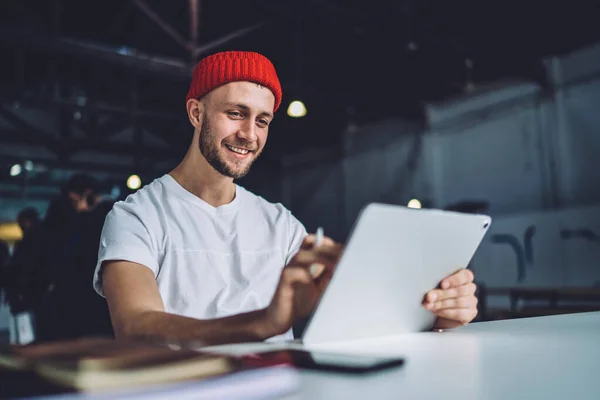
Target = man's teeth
(237,149)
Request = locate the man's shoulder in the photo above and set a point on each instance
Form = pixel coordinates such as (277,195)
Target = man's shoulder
(144,201)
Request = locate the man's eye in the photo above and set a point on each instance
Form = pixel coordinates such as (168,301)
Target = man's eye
(263,122)
(235,113)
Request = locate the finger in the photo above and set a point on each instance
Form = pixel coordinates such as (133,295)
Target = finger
(327,255)
(462,315)
(459,278)
(305,258)
(291,275)
(459,302)
(322,280)
(316,270)
(461,291)
(309,242)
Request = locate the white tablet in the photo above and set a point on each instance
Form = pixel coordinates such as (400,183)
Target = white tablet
(393,257)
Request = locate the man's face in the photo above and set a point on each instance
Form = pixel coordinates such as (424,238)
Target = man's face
(235,126)
(83,202)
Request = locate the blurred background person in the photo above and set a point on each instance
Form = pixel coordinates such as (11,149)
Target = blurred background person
(61,266)
(4,257)
(20,282)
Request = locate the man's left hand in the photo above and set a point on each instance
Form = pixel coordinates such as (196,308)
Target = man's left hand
(454,303)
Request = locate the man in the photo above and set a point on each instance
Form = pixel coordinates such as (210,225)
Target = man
(78,195)
(28,219)
(55,260)
(193,256)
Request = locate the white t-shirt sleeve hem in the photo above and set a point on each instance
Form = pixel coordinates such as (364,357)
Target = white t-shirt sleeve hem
(124,253)
(297,233)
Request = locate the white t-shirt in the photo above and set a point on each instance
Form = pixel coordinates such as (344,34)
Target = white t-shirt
(209,262)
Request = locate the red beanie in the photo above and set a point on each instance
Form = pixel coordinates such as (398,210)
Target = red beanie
(230,66)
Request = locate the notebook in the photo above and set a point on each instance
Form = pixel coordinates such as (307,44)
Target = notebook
(91,364)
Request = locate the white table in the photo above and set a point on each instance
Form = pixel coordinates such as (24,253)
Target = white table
(555,357)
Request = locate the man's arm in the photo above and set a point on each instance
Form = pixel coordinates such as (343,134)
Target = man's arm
(137,310)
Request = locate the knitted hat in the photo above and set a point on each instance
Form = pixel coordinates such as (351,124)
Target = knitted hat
(230,66)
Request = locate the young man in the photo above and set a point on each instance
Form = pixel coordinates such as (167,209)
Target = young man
(193,256)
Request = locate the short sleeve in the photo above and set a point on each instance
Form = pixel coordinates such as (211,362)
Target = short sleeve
(297,233)
(125,236)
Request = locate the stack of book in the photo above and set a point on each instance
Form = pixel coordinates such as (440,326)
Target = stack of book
(101,366)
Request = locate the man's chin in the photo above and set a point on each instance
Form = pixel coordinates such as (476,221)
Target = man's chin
(240,173)
(236,171)
(233,167)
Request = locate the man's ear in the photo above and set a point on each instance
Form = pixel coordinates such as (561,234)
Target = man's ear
(195,110)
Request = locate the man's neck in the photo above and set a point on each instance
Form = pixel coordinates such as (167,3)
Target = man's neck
(198,177)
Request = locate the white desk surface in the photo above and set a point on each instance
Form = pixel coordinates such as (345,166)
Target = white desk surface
(554,357)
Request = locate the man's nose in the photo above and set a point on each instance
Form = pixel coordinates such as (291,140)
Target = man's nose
(248,131)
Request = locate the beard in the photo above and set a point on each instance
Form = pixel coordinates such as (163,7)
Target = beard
(209,148)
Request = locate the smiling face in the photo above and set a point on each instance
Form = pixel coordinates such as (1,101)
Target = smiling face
(235,126)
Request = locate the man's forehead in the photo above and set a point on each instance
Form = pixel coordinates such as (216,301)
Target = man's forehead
(251,94)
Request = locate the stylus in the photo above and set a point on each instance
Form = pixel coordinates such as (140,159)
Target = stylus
(314,268)
(319,236)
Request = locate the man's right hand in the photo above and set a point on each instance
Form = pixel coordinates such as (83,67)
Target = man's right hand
(298,292)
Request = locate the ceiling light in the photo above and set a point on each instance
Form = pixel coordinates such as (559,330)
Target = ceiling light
(414,203)
(296,109)
(134,182)
(15,170)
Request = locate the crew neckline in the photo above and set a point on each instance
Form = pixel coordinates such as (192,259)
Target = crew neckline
(182,192)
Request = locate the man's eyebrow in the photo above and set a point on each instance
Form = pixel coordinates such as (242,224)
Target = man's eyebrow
(247,109)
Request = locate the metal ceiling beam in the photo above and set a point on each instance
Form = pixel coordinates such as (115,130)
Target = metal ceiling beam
(27,132)
(108,128)
(168,29)
(192,44)
(110,108)
(194,18)
(205,48)
(100,108)
(64,147)
(127,57)
(74,145)
(82,166)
